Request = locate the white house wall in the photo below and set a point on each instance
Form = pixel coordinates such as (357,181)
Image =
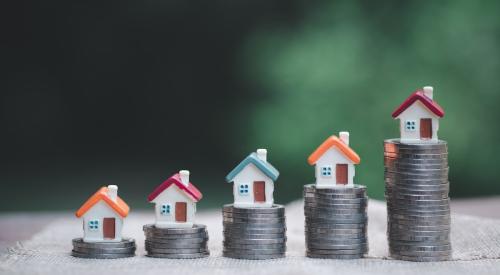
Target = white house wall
(171,195)
(415,112)
(333,157)
(247,176)
(98,212)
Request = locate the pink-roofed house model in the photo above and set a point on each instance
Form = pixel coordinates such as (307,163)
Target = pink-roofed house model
(253,181)
(334,162)
(419,117)
(175,201)
(103,214)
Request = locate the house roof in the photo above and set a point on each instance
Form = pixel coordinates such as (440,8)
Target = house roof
(419,95)
(190,190)
(263,166)
(330,142)
(119,206)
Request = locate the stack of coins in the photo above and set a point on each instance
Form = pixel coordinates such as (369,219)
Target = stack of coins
(176,243)
(336,222)
(254,233)
(418,210)
(103,250)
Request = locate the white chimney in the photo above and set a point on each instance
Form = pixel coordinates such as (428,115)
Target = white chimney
(184,174)
(344,136)
(428,91)
(262,154)
(113,192)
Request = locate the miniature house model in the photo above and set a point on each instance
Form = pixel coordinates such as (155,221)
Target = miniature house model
(103,215)
(253,181)
(175,201)
(334,162)
(419,117)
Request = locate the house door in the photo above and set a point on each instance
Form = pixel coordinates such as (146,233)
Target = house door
(425,128)
(108,228)
(180,211)
(259,191)
(341,173)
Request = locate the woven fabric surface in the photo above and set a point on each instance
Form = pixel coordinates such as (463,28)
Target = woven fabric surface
(475,241)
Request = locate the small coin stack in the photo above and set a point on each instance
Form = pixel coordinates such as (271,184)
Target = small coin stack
(254,233)
(176,243)
(418,210)
(103,250)
(336,222)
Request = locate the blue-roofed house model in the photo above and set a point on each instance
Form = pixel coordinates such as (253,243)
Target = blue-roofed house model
(253,181)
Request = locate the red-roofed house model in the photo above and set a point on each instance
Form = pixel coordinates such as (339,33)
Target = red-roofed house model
(419,117)
(103,215)
(334,161)
(175,201)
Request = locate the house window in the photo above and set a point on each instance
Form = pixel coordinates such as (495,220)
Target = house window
(165,209)
(93,225)
(410,125)
(243,189)
(326,171)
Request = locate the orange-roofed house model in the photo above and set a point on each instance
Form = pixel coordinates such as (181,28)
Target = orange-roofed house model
(334,162)
(103,215)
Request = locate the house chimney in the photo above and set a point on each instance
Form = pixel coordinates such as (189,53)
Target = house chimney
(184,175)
(262,154)
(113,192)
(428,91)
(344,136)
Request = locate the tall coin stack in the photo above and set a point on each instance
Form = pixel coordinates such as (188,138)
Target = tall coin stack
(176,243)
(336,222)
(418,210)
(254,233)
(103,250)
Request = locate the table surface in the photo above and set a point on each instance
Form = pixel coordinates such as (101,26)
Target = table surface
(44,238)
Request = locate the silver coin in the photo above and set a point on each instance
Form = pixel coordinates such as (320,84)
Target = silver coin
(254,251)
(229,244)
(125,242)
(316,245)
(174,245)
(178,241)
(256,241)
(399,196)
(253,220)
(252,216)
(309,202)
(421,259)
(409,183)
(438,202)
(243,231)
(177,250)
(418,190)
(334,237)
(441,247)
(257,210)
(420,253)
(415,155)
(334,196)
(439,176)
(326,211)
(395,160)
(420,223)
(348,227)
(346,207)
(337,241)
(176,236)
(396,164)
(179,256)
(327,215)
(397,142)
(412,212)
(254,236)
(430,218)
(334,256)
(356,188)
(316,221)
(197,228)
(436,239)
(124,250)
(101,255)
(253,257)
(338,251)
(253,225)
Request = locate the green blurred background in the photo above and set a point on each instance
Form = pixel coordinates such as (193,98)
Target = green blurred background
(130,92)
